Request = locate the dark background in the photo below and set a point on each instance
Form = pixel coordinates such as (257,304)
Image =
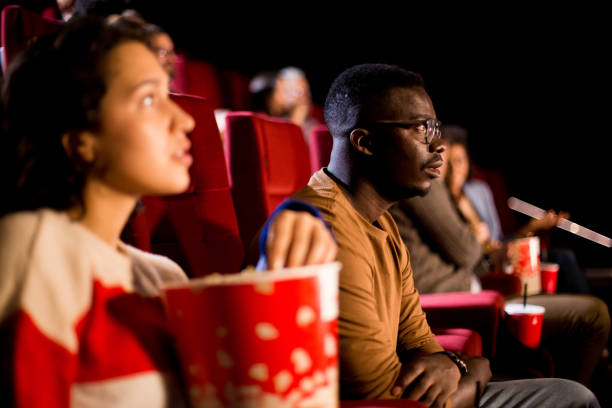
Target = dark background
(531,85)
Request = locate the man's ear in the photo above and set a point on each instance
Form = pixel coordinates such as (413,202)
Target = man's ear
(361,141)
(82,146)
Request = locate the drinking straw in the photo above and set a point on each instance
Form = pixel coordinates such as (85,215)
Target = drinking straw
(525,296)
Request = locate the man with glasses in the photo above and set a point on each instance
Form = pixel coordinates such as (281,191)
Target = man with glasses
(386,147)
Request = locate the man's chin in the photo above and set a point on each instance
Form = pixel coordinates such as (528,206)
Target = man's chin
(414,191)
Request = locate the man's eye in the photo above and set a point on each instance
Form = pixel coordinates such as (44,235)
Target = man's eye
(421,128)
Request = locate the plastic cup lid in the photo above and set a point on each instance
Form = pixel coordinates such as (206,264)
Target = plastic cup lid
(518,309)
(549,265)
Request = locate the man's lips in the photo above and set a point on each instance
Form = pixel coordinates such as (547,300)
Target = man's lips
(433,168)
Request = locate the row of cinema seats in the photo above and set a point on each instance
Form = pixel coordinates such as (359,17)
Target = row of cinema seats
(224,88)
(206,228)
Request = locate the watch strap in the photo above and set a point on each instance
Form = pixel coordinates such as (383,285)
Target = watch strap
(461,365)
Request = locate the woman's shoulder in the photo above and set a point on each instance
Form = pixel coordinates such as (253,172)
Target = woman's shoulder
(18,236)
(152,270)
(18,232)
(475,188)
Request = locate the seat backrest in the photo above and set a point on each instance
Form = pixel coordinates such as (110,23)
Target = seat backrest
(198,228)
(20,27)
(235,88)
(200,78)
(268,161)
(320,147)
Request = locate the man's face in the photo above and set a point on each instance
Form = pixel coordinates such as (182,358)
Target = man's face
(404,164)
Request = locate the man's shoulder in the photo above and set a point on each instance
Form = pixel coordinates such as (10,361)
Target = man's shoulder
(320,191)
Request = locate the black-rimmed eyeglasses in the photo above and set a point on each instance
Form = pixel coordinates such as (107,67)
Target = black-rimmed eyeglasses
(427,128)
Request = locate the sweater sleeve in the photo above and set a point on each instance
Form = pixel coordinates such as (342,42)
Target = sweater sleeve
(415,335)
(435,215)
(35,370)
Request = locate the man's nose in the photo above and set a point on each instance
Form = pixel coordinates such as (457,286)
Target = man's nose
(437,145)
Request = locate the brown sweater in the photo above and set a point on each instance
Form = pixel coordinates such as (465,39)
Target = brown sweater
(443,250)
(380,312)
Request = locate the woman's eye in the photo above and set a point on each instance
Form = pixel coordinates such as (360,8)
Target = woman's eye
(148,100)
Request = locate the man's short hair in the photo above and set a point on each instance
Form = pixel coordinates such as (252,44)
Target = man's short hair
(357,87)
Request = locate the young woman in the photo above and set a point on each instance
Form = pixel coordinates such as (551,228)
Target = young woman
(88,119)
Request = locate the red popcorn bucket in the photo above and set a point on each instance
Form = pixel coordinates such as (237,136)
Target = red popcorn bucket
(258,339)
(524,262)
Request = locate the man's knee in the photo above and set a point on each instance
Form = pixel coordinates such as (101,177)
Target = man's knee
(540,393)
(576,392)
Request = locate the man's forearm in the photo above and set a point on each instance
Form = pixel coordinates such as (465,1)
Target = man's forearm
(472,385)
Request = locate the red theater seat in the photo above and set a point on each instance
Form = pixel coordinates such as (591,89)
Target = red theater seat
(20,27)
(480,312)
(460,340)
(268,161)
(200,78)
(197,229)
(320,147)
(235,87)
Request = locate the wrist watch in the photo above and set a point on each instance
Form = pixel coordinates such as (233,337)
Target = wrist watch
(461,365)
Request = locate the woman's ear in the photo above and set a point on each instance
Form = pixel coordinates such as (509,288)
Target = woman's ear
(361,141)
(82,145)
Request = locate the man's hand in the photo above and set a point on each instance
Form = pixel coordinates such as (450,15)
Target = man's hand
(430,379)
(297,238)
(479,374)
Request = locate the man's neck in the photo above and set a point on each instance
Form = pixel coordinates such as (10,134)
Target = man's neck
(360,192)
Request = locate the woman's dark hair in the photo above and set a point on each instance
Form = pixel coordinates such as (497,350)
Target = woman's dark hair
(261,87)
(54,88)
(458,135)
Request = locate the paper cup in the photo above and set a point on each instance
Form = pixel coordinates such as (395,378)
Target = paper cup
(548,276)
(266,339)
(524,262)
(525,323)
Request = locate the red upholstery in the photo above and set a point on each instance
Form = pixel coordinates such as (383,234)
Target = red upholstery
(398,403)
(20,27)
(195,77)
(197,229)
(316,112)
(320,147)
(235,87)
(502,282)
(460,340)
(179,83)
(480,312)
(268,161)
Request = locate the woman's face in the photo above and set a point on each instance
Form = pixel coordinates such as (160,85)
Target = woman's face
(458,166)
(142,145)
